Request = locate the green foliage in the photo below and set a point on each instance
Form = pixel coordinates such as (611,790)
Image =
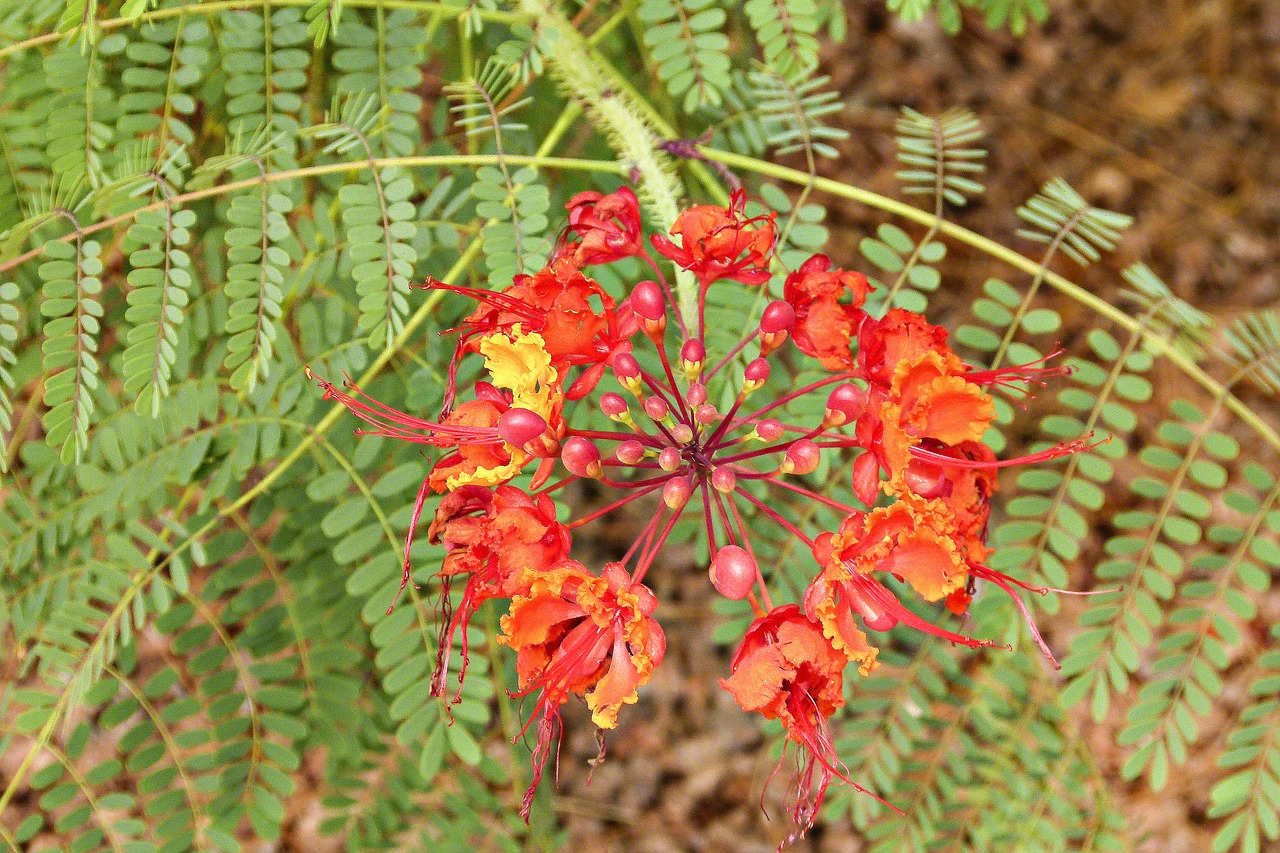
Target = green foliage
(1015,14)
(689,48)
(940,154)
(197,553)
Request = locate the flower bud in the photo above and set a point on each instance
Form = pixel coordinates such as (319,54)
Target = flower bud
(724,481)
(627,369)
(707,414)
(630,452)
(693,356)
(519,427)
(775,325)
(580,457)
(681,433)
(802,457)
(754,376)
(669,459)
(656,408)
(677,491)
(697,394)
(616,408)
(844,405)
(650,306)
(733,572)
(769,430)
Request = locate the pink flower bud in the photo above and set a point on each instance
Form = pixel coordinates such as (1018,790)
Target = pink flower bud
(733,572)
(656,408)
(518,427)
(677,491)
(778,317)
(681,433)
(706,414)
(648,302)
(775,326)
(754,376)
(613,405)
(802,457)
(769,430)
(580,457)
(630,452)
(845,405)
(627,369)
(669,459)
(724,481)
(697,394)
(692,357)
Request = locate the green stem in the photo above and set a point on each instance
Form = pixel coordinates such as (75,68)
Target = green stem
(1152,340)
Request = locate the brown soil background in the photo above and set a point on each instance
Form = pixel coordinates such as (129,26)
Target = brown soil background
(1167,111)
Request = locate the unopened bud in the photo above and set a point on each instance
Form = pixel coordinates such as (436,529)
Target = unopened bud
(697,394)
(669,459)
(693,356)
(775,325)
(733,572)
(627,369)
(656,408)
(844,405)
(651,307)
(630,452)
(519,427)
(616,408)
(754,376)
(724,481)
(681,433)
(580,457)
(769,430)
(707,414)
(677,491)
(802,457)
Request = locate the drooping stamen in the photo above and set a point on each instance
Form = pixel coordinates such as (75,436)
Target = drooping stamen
(423,491)
(1001,581)
(396,424)
(882,597)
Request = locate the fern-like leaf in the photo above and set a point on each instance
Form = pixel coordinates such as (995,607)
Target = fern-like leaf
(76,138)
(160,277)
(792,107)
(8,337)
(1255,341)
(689,47)
(73,315)
(1061,218)
(786,31)
(940,154)
(1187,328)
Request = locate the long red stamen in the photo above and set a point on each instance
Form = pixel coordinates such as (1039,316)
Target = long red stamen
(1066,448)
(1002,581)
(868,587)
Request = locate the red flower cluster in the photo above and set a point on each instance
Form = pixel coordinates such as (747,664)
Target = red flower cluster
(896,391)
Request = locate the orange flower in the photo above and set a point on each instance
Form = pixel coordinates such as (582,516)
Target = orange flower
(721,242)
(914,539)
(824,326)
(787,669)
(577,321)
(898,336)
(574,632)
(964,483)
(609,226)
(491,535)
